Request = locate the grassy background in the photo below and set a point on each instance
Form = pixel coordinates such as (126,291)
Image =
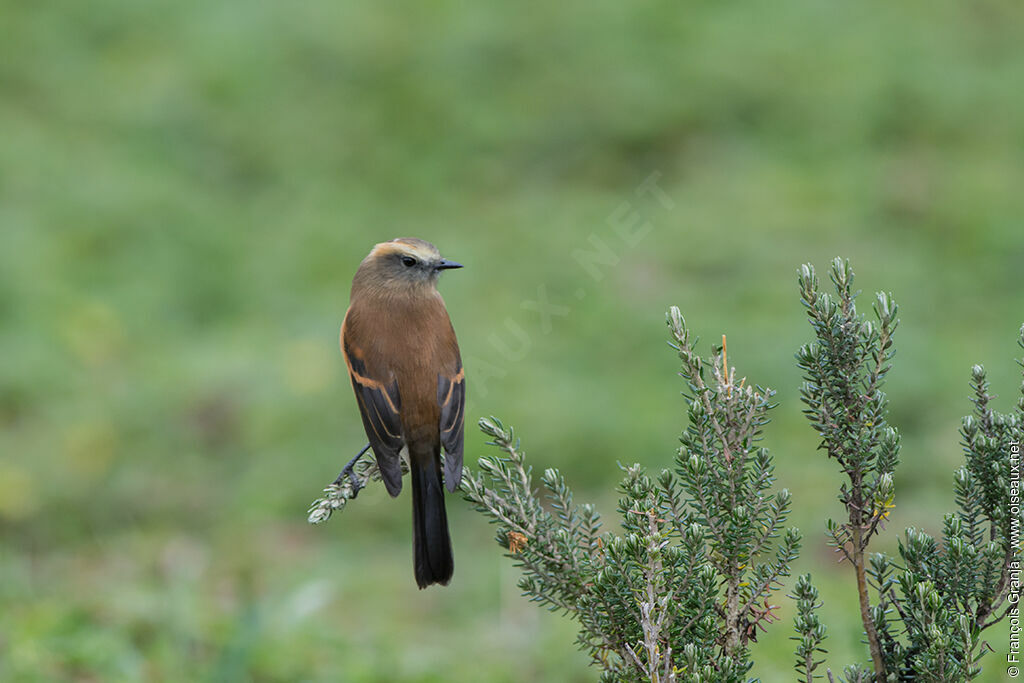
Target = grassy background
(186,189)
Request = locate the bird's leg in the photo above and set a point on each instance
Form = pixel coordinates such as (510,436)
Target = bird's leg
(349,471)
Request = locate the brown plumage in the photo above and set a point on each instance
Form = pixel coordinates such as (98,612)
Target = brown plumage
(407,374)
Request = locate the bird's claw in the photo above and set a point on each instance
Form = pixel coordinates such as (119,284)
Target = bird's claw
(349,470)
(357,485)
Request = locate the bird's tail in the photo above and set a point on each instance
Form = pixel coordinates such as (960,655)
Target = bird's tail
(432,546)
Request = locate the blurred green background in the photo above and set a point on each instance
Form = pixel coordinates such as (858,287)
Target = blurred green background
(186,189)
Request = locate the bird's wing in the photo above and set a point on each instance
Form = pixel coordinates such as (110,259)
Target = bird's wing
(451,396)
(380,405)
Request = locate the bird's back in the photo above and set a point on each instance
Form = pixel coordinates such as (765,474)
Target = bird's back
(409,341)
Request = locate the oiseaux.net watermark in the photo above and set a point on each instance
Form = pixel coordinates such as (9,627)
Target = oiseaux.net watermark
(625,227)
(1013,655)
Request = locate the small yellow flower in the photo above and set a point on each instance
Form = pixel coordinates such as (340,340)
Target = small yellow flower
(516,542)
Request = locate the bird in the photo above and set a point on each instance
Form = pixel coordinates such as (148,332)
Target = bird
(406,370)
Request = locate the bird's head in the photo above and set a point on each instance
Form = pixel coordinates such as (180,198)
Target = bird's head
(403,263)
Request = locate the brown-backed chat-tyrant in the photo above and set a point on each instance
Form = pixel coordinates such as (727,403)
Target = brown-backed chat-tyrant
(404,362)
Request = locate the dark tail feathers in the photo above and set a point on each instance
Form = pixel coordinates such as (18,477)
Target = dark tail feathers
(432,546)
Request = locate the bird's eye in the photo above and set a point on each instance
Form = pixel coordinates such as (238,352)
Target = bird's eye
(408,261)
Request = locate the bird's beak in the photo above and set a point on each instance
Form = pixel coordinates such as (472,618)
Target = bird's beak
(445,264)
